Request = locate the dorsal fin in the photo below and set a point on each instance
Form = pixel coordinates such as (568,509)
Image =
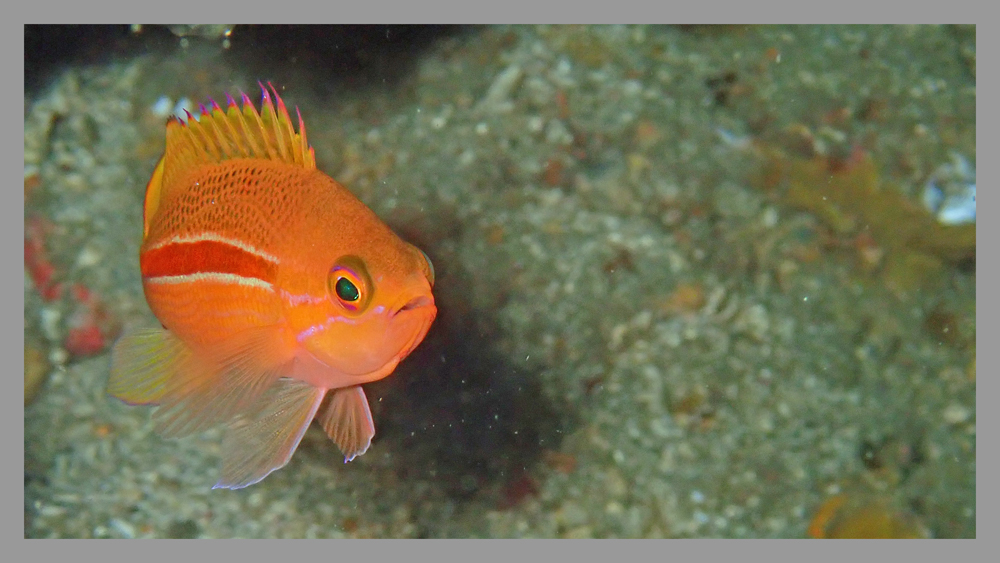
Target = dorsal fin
(219,135)
(235,132)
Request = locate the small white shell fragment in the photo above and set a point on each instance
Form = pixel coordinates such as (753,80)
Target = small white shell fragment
(50,317)
(161,108)
(950,192)
(497,98)
(956,414)
(88,256)
(959,209)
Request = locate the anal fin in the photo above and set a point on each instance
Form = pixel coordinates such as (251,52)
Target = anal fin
(263,438)
(347,420)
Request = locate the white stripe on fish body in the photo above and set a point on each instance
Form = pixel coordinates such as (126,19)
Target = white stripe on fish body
(209,236)
(214,277)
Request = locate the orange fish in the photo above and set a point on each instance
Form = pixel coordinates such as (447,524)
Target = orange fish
(276,289)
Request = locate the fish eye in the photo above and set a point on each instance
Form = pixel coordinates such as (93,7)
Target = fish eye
(350,284)
(346,290)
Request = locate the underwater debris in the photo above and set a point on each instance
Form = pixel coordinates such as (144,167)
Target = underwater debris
(860,516)
(687,298)
(553,174)
(561,462)
(36,368)
(849,197)
(725,86)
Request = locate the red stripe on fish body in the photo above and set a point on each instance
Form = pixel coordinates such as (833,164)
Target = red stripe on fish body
(206,254)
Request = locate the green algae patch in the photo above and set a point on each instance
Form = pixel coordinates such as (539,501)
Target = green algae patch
(851,200)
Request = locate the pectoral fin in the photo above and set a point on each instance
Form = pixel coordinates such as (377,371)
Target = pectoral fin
(348,421)
(263,438)
(195,391)
(142,364)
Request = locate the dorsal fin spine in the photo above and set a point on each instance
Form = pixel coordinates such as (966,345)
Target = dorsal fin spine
(212,131)
(198,140)
(224,141)
(302,139)
(251,139)
(236,115)
(248,112)
(236,132)
(271,121)
(288,134)
(234,136)
(211,145)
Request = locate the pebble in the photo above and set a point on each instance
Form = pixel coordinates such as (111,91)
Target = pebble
(956,414)
(88,256)
(615,484)
(51,510)
(58,356)
(50,318)
(123,528)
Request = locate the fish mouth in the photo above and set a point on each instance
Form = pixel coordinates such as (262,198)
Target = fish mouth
(428,313)
(419,323)
(407,325)
(415,303)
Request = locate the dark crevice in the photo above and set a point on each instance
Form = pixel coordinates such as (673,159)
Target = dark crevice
(342,56)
